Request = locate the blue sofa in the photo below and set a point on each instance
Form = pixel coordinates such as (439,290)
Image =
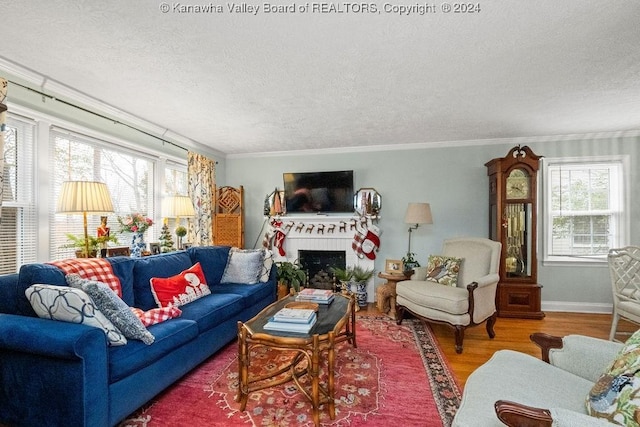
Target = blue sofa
(64,374)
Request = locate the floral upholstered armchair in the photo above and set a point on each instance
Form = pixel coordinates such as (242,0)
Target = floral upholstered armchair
(457,288)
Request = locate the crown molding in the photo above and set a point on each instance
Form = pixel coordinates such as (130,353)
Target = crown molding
(445,144)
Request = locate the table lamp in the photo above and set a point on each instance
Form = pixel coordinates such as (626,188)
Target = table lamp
(84,197)
(176,207)
(417,213)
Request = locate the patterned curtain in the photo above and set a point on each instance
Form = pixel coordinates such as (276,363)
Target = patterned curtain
(3,120)
(201,176)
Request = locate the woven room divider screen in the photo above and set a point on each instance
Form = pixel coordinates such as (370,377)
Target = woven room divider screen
(228,217)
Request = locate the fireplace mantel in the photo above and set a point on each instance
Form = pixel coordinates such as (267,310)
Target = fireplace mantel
(324,232)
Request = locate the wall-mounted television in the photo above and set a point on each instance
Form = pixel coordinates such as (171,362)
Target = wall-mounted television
(330,192)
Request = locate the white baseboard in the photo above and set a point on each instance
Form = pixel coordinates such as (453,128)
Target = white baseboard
(577,307)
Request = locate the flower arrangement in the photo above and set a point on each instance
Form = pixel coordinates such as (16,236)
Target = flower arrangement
(134,223)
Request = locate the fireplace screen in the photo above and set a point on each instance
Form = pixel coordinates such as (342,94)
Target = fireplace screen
(318,265)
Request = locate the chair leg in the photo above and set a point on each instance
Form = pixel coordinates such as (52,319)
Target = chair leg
(399,314)
(614,325)
(490,322)
(459,338)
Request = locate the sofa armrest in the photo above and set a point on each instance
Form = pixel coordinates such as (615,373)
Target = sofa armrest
(584,356)
(52,373)
(518,415)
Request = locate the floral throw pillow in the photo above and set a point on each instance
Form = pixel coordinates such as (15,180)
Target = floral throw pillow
(443,269)
(616,395)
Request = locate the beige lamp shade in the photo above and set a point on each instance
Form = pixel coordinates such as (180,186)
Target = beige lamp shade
(177,206)
(418,213)
(82,197)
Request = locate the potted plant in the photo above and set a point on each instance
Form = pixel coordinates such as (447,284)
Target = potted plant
(360,278)
(290,275)
(95,243)
(409,262)
(343,276)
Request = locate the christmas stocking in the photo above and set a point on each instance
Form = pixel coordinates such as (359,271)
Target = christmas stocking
(358,238)
(279,235)
(371,242)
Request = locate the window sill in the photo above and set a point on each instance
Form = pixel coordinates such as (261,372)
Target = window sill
(585,261)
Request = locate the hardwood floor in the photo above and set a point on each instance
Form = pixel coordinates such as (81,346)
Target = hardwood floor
(514,334)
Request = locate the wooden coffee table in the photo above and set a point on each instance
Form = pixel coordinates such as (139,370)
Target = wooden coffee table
(335,324)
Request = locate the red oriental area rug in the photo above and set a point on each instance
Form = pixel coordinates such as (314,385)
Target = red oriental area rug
(396,376)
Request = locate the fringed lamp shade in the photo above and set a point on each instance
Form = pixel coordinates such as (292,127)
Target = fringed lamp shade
(177,206)
(81,198)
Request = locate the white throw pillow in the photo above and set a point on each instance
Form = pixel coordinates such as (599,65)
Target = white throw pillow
(71,305)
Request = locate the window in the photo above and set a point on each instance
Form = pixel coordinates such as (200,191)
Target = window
(18,225)
(585,208)
(128,175)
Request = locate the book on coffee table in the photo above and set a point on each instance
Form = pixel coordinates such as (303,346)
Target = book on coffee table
(294,315)
(320,296)
(284,326)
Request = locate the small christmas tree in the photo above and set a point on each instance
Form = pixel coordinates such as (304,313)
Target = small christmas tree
(166,240)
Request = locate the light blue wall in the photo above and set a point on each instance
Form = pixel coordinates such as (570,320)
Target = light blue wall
(454,181)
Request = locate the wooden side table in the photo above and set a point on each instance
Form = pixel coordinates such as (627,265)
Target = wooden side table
(386,293)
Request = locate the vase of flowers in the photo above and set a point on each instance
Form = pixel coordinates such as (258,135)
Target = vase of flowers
(136,224)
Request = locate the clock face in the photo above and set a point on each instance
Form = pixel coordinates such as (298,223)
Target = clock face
(518,184)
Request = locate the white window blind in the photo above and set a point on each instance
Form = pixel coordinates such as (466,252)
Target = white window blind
(585,208)
(18,227)
(128,175)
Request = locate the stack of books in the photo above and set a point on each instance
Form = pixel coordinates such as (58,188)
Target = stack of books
(319,296)
(299,320)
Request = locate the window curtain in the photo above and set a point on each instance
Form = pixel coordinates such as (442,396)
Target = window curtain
(201,176)
(3,124)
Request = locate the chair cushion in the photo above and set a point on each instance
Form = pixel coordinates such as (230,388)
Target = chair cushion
(125,360)
(521,378)
(430,294)
(443,269)
(616,394)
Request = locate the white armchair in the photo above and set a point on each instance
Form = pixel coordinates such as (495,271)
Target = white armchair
(517,389)
(470,302)
(624,269)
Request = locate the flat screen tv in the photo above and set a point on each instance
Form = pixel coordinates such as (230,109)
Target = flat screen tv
(330,192)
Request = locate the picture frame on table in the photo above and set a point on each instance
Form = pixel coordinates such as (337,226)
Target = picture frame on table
(119,251)
(154,248)
(393,266)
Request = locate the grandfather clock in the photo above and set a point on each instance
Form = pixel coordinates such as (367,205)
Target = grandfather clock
(513,207)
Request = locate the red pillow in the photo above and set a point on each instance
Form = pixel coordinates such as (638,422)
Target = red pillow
(156,315)
(180,289)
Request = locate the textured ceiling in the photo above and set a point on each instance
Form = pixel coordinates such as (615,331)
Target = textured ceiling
(245,83)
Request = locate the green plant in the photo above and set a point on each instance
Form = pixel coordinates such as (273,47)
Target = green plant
(361,275)
(292,274)
(181,231)
(342,274)
(78,242)
(409,261)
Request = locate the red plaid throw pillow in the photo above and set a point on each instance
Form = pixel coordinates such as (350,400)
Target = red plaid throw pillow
(156,315)
(97,269)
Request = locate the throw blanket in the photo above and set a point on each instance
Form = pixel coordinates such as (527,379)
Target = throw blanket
(98,269)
